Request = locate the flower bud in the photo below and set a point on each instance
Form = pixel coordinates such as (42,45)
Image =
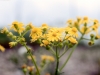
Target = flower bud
(90,43)
(92,35)
(5,30)
(12,44)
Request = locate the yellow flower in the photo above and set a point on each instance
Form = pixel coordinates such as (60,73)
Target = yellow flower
(95,28)
(85,30)
(79,19)
(12,44)
(44,26)
(35,34)
(67,29)
(18,27)
(70,21)
(73,32)
(45,43)
(30,68)
(57,30)
(72,40)
(53,36)
(43,57)
(85,19)
(96,21)
(47,57)
(34,38)
(2,48)
(29,26)
(4,30)
(29,57)
(50,58)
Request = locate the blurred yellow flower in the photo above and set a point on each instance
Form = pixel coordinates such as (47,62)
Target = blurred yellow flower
(50,58)
(30,68)
(29,57)
(85,20)
(43,57)
(44,43)
(72,40)
(35,34)
(73,32)
(47,57)
(2,48)
(12,44)
(18,27)
(44,26)
(4,30)
(95,28)
(85,30)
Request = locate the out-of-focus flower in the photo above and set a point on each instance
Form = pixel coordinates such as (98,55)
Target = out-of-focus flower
(35,34)
(12,44)
(85,20)
(18,27)
(29,57)
(53,36)
(72,40)
(4,30)
(44,26)
(45,43)
(73,32)
(2,48)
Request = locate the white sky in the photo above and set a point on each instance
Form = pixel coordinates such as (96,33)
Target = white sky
(53,12)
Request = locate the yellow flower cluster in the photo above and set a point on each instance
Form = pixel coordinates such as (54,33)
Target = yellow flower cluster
(47,57)
(51,36)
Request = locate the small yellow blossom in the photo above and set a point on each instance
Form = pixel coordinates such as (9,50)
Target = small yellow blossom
(50,58)
(45,43)
(18,27)
(53,36)
(67,29)
(95,28)
(12,44)
(73,32)
(43,57)
(79,19)
(96,21)
(2,48)
(29,26)
(70,21)
(29,57)
(85,20)
(30,68)
(85,30)
(44,26)
(36,32)
(47,57)
(72,40)
(4,30)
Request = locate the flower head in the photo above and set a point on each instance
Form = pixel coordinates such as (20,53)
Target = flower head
(73,32)
(18,27)
(72,40)
(53,36)
(45,43)
(2,48)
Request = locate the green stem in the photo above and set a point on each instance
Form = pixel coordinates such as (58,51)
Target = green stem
(52,51)
(32,59)
(63,52)
(71,53)
(57,65)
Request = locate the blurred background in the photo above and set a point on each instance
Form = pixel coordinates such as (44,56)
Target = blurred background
(84,61)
